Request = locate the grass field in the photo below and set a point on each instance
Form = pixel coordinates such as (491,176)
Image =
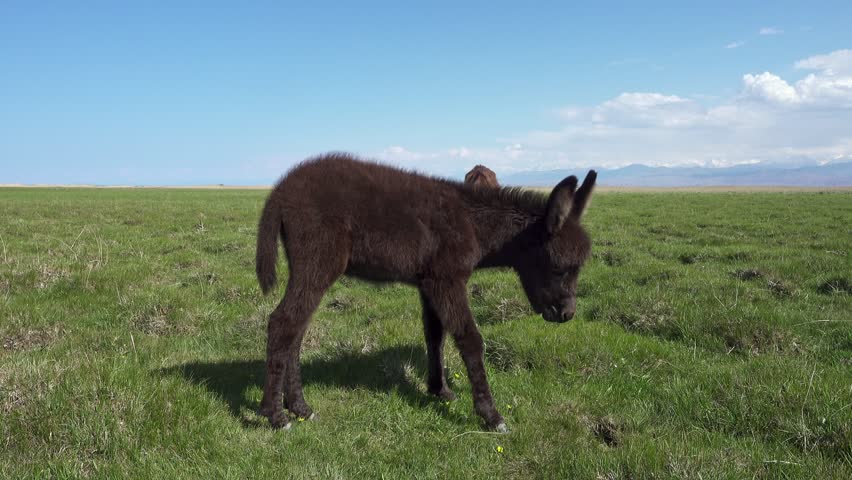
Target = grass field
(713,339)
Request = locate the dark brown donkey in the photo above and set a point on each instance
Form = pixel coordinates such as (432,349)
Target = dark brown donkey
(337,215)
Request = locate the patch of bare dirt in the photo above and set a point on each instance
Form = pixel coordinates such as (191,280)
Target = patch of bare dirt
(780,288)
(605,429)
(48,275)
(158,320)
(837,285)
(759,340)
(748,274)
(500,354)
(11,397)
(30,339)
(342,302)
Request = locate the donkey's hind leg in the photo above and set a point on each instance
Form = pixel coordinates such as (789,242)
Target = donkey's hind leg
(270,406)
(310,277)
(287,325)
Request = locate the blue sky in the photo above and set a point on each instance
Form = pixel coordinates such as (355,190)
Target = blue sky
(207,92)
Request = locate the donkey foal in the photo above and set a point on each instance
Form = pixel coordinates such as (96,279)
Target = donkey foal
(338,215)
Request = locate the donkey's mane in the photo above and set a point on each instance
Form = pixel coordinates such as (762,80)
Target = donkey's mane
(519,197)
(523,198)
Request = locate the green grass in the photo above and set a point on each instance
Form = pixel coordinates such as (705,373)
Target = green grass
(712,340)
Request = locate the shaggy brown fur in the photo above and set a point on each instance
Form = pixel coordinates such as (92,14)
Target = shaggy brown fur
(384,224)
(482,176)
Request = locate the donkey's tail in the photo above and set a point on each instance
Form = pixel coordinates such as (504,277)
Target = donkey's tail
(268,231)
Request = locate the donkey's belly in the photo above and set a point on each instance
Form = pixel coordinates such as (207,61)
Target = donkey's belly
(391,254)
(377,274)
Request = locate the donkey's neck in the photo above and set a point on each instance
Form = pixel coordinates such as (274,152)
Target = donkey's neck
(504,219)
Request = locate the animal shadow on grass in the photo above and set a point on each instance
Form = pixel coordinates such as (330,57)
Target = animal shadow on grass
(379,371)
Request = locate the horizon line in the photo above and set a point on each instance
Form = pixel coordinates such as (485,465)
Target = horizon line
(600,188)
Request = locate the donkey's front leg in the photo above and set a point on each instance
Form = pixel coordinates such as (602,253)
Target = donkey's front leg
(449,300)
(434,332)
(469,343)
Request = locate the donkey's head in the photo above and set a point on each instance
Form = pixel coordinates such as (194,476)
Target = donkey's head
(559,246)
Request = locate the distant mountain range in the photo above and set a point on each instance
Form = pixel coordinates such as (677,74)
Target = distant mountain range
(828,175)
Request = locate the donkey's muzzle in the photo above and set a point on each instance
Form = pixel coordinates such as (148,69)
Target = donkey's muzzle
(557,315)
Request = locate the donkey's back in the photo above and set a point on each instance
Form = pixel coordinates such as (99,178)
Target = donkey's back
(390,223)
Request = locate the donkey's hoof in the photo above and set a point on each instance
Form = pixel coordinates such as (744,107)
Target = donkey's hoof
(445,394)
(282,423)
(301,410)
(311,417)
(264,412)
(278,420)
(501,428)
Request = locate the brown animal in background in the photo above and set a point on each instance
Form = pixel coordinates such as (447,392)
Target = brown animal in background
(481,176)
(384,224)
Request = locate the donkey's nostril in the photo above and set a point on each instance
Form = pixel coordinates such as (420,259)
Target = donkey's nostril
(551,314)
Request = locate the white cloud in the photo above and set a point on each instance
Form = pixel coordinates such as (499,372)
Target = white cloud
(643,100)
(736,44)
(830,86)
(403,156)
(569,113)
(771,119)
(637,109)
(832,92)
(771,31)
(460,152)
(769,87)
(399,152)
(835,63)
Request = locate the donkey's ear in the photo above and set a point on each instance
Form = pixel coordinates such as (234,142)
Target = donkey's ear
(559,203)
(583,195)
